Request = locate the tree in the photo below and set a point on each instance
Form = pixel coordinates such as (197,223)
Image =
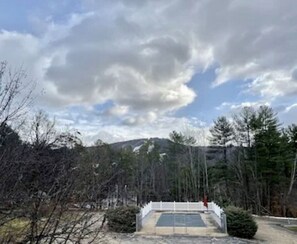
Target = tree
(97,174)
(268,153)
(43,178)
(15,94)
(291,133)
(222,134)
(243,124)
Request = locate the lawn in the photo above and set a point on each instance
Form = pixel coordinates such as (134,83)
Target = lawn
(14,229)
(293,228)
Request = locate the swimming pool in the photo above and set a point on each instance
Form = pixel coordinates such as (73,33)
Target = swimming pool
(180,220)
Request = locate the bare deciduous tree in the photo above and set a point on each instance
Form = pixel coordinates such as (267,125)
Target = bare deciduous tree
(15,94)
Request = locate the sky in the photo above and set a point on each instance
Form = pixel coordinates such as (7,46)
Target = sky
(125,69)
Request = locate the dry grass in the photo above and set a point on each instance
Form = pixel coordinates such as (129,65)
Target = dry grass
(293,228)
(17,229)
(14,230)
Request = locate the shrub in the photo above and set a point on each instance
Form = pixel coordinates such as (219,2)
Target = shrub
(122,219)
(240,223)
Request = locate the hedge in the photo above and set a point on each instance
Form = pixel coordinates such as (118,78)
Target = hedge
(122,219)
(240,223)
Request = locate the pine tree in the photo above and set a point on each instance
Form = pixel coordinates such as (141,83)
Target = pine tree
(268,154)
(291,133)
(222,134)
(243,124)
(244,135)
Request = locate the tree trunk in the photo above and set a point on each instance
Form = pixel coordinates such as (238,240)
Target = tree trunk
(293,173)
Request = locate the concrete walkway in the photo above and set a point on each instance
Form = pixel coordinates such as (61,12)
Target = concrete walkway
(150,227)
(270,231)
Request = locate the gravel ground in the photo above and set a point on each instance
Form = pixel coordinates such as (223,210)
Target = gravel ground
(270,231)
(130,239)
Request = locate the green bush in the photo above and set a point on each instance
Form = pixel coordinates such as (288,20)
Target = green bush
(240,223)
(122,219)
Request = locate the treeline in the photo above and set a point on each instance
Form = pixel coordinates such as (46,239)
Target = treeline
(260,173)
(251,163)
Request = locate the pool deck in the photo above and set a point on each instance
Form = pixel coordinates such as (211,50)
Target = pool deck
(150,227)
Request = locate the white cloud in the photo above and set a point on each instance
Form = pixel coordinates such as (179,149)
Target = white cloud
(148,118)
(133,53)
(274,84)
(290,108)
(117,110)
(288,114)
(20,49)
(141,55)
(94,127)
(236,107)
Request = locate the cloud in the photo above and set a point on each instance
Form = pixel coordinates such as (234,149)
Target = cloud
(20,49)
(288,114)
(274,84)
(141,55)
(253,40)
(143,71)
(291,107)
(93,126)
(236,107)
(140,120)
(117,110)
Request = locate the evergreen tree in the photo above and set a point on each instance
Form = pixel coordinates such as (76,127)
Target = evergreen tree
(222,134)
(291,134)
(243,124)
(242,167)
(269,156)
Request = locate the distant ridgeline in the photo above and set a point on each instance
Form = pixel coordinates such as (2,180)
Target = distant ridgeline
(214,154)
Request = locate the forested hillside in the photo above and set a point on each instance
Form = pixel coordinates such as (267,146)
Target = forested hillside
(262,172)
(251,162)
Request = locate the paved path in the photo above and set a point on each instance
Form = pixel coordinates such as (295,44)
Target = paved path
(270,231)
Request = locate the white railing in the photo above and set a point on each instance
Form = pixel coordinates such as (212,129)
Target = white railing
(216,213)
(178,206)
(215,210)
(146,209)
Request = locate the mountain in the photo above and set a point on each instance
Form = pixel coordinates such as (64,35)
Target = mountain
(137,143)
(213,153)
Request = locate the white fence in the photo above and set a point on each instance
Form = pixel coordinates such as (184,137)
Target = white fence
(215,210)
(145,210)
